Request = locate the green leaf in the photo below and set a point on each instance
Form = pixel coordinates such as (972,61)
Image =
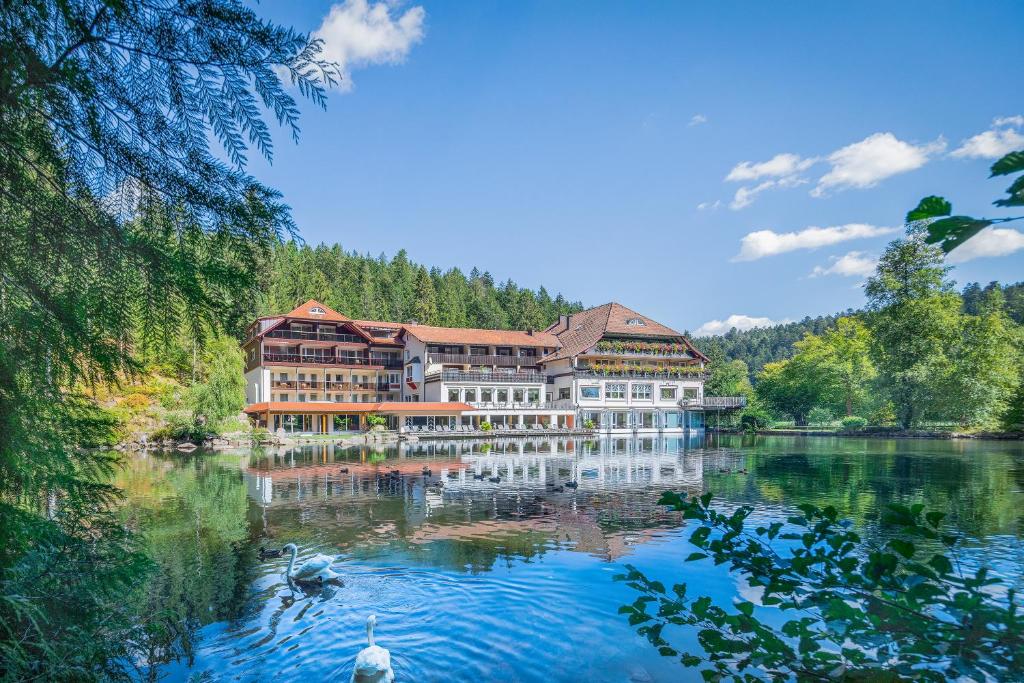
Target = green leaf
(691,660)
(950,233)
(693,557)
(929,207)
(904,548)
(746,608)
(1011,163)
(935,518)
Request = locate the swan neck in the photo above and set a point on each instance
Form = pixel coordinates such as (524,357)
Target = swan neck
(369,632)
(291,562)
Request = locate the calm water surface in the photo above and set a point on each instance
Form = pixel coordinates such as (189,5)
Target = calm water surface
(512,581)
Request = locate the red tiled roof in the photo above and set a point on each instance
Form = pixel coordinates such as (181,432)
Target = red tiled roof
(467,335)
(586,328)
(304,312)
(386,407)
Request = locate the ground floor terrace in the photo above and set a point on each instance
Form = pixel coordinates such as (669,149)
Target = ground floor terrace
(618,420)
(326,417)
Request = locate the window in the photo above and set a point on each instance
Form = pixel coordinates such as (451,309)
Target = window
(502,395)
(316,310)
(615,391)
(590,392)
(668,393)
(284,397)
(408,372)
(645,420)
(486,395)
(302,398)
(636,322)
(620,420)
(283,376)
(453,394)
(533,395)
(690,392)
(518,395)
(470,395)
(642,392)
(565,393)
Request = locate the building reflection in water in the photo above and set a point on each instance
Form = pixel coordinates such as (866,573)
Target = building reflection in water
(517,492)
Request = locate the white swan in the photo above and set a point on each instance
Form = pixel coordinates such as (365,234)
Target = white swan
(373,663)
(315,569)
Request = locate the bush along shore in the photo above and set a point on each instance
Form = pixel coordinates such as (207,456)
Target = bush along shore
(882,433)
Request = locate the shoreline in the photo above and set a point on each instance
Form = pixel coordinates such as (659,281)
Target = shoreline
(887,434)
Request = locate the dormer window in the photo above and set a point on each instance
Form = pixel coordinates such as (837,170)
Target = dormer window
(636,322)
(316,310)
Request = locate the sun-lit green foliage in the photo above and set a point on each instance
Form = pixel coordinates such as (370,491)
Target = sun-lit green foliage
(122,224)
(934,362)
(220,393)
(903,608)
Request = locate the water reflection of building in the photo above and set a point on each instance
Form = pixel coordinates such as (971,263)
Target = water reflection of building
(362,494)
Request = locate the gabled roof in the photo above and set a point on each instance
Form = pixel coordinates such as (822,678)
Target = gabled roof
(584,329)
(469,335)
(305,311)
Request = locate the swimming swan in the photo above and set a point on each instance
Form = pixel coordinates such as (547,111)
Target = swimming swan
(316,568)
(373,663)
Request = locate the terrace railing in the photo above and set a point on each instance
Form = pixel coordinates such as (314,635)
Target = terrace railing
(558,404)
(316,336)
(491,377)
(590,373)
(302,359)
(471,359)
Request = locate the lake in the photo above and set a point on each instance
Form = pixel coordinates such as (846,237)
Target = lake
(475,580)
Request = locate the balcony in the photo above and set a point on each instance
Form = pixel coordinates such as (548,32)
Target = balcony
(641,349)
(316,336)
(471,359)
(359,361)
(593,373)
(715,402)
(491,377)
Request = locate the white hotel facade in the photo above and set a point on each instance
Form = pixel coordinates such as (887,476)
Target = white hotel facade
(608,370)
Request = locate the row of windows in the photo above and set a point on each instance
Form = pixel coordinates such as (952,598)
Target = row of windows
(637,391)
(494,395)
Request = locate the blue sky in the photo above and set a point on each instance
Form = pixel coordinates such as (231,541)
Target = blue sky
(587,146)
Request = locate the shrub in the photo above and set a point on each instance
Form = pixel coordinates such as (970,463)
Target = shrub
(589,424)
(884,415)
(485,426)
(820,417)
(376,421)
(854,422)
(755,418)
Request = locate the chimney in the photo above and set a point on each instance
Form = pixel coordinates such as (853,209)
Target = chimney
(563,321)
(530,332)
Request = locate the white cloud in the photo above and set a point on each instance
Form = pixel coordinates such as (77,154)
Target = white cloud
(1017,120)
(851,264)
(988,242)
(763,243)
(739,321)
(779,166)
(1002,138)
(709,206)
(875,158)
(697,119)
(745,195)
(782,170)
(358,33)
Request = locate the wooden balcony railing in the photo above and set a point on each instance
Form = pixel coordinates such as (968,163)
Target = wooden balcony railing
(316,336)
(492,377)
(302,359)
(639,374)
(471,359)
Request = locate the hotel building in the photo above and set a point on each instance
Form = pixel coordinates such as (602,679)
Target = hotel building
(607,369)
